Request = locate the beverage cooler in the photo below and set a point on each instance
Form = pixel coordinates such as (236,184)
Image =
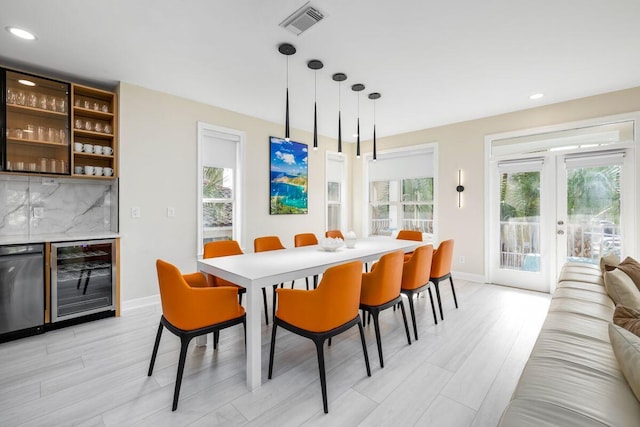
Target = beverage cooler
(83,278)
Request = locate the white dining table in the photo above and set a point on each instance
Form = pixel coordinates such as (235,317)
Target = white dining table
(254,271)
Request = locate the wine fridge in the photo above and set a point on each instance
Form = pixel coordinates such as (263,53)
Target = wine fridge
(83,278)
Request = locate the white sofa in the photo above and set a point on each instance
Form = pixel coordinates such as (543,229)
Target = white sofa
(572,377)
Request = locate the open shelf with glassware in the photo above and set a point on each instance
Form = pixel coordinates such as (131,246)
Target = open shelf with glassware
(94,133)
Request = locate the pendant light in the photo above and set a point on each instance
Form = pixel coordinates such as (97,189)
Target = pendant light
(374,96)
(287,50)
(358,87)
(339,77)
(315,65)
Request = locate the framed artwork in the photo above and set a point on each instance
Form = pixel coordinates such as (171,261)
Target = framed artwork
(288,182)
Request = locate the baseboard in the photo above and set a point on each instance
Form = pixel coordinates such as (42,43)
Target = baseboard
(140,302)
(478,278)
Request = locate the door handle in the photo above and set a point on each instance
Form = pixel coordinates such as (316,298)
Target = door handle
(560,231)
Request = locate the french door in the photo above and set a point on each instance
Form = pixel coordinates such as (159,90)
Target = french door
(557,208)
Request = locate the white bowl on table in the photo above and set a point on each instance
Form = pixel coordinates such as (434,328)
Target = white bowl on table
(330,244)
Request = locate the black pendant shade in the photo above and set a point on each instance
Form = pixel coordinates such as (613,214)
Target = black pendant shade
(287,50)
(315,65)
(374,96)
(357,88)
(339,77)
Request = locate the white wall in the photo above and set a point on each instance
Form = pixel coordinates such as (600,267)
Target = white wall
(158,169)
(158,161)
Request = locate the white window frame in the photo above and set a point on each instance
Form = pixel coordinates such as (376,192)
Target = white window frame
(238,199)
(367,158)
(329,156)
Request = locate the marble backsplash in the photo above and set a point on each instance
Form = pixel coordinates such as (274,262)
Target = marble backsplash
(33,205)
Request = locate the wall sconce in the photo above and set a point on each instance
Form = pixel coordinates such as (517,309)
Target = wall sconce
(460,188)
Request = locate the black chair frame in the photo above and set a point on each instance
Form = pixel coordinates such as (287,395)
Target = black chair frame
(410,293)
(185,339)
(436,281)
(319,338)
(375,311)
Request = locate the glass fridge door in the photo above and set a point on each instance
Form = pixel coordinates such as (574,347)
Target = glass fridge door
(82,278)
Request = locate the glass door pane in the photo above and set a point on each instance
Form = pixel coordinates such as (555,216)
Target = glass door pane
(593,213)
(217,204)
(520,221)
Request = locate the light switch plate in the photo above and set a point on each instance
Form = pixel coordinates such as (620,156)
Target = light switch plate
(135,212)
(171,212)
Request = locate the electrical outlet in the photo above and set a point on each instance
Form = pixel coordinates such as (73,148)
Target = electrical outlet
(171,212)
(135,212)
(461,259)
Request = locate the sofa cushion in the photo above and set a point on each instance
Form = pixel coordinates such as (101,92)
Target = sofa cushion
(626,347)
(582,285)
(632,268)
(621,288)
(534,413)
(581,276)
(628,318)
(609,262)
(584,295)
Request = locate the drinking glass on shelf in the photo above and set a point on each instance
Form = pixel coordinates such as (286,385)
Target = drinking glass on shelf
(21,98)
(42,102)
(11,96)
(86,104)
(52,103)
(98,127)
(53,165)
(32,100)
(19,166)
(17,133)
(108,129)
(30,132)
(78,124)
(105,108)
(62,105)
(43,164)
(77,102)
(53,134)
(62,135)
(41,133)
(32,166)
(88,125)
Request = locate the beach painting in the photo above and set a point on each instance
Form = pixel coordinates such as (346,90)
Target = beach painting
(289,177)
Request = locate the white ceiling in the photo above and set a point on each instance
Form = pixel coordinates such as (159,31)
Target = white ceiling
(435,62)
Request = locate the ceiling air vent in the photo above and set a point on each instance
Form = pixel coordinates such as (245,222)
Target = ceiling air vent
(302,19)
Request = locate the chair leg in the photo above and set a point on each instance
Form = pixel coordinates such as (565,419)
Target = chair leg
(306,280)
(406,325)
(292,283)
(155,350)
(453,291)
(275,296)
(323,379)
(216,338)
(273,346)
(184,344)
(435,284)
(413,316)
(266,310)
(376,326)
(315,281)
(240,298)
(364,348)
(433,307)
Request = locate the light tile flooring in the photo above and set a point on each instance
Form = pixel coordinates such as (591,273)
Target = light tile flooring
(460,372)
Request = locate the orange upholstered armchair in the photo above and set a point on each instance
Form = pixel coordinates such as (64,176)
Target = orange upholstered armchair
(409,235)
(381,290)
(189,312)
(441,270)
(415,279)
(306,239)
(322,313)
(264,244)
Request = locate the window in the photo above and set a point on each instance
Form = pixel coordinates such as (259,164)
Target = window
(219,161)
(401,191)
(335,198)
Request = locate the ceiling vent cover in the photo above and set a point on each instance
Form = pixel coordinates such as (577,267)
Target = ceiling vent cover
(302,19)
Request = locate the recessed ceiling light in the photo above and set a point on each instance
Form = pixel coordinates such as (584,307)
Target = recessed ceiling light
(23,34)
(26,82)
(536,96)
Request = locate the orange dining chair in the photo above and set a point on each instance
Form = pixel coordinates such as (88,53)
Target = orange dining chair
(264,244)
(322,313)
(381,290)
(334,234)
(216,249)
(441,270)
(415,279)
(409,235)
(306,239)
(189,312)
